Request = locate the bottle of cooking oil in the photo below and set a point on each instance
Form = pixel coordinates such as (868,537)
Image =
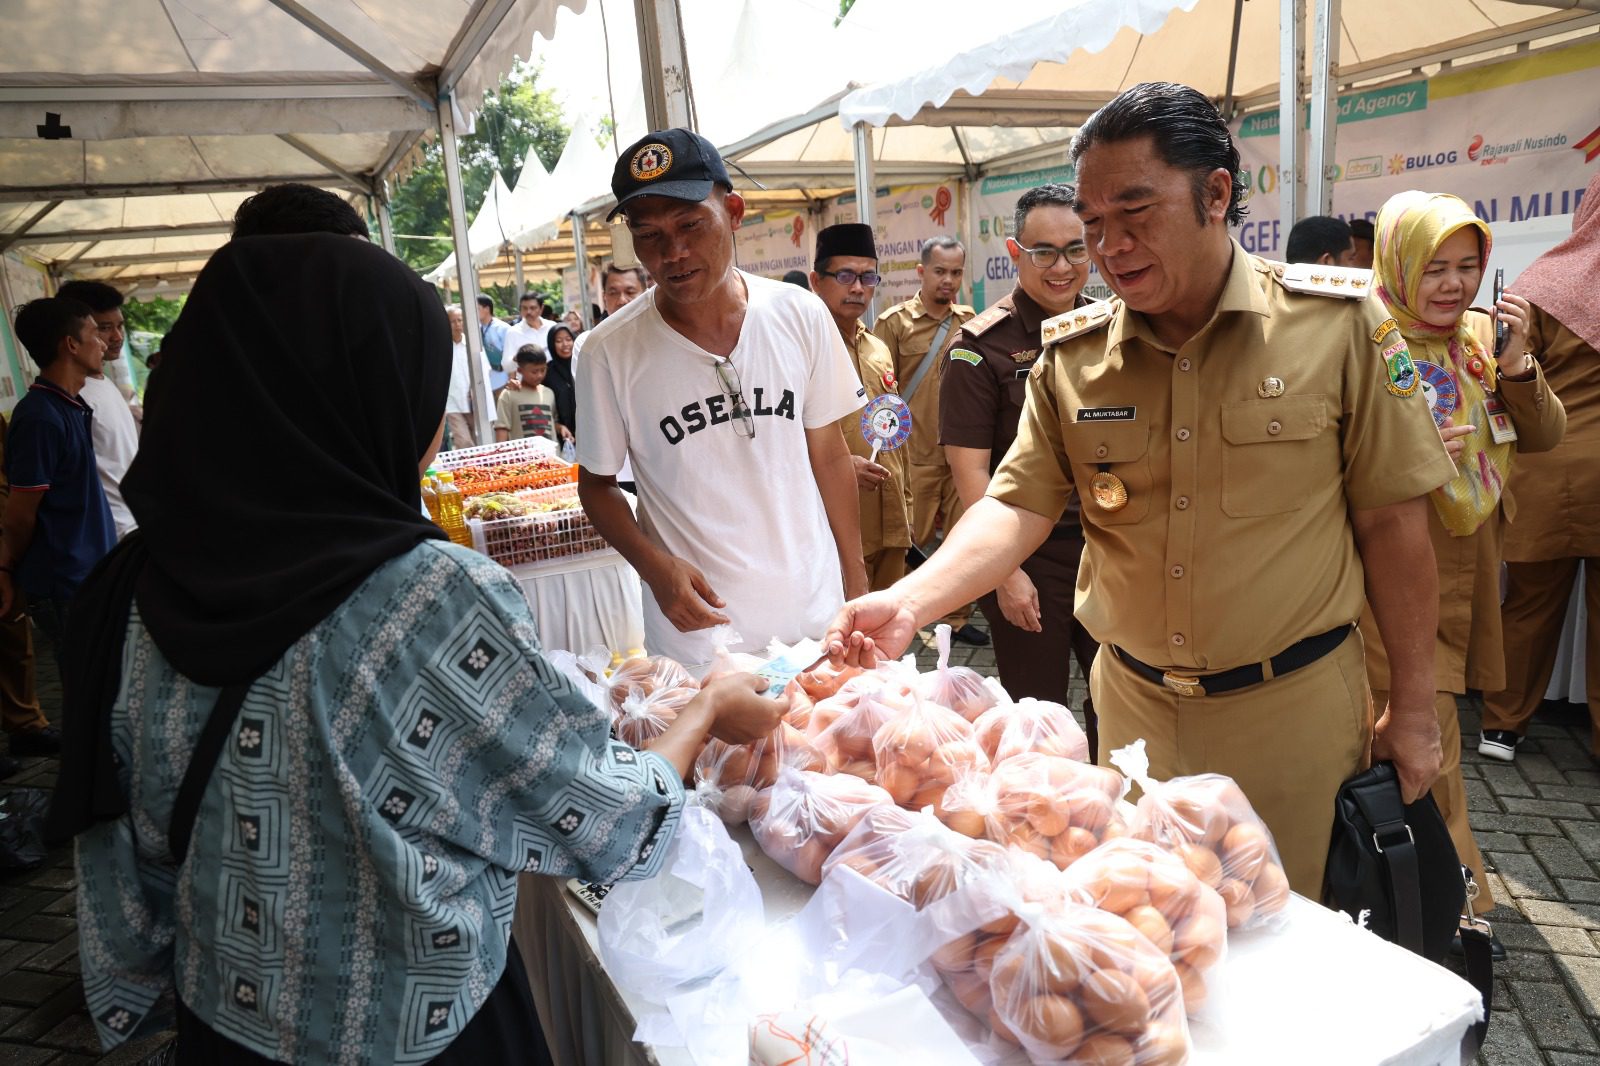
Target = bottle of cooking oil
(450,517)
(430,497)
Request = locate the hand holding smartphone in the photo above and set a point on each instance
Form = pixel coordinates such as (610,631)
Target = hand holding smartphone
(1500,330)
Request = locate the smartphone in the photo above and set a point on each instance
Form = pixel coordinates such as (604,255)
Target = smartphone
(1499,326)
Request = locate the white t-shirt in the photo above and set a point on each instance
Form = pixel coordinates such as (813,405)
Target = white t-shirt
(116,440)
(461,385)
(519,334)
(746,511)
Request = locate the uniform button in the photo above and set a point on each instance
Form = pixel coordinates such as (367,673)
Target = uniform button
(1183,434)
(1100,452)
(1184,364)
(1177,571)
(1177,639)
(1182,502)
(1274,427)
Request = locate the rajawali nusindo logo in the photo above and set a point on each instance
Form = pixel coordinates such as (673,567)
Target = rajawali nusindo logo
(650,162)
(1487,153)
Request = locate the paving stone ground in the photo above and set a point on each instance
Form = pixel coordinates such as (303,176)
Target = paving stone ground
(1535,819)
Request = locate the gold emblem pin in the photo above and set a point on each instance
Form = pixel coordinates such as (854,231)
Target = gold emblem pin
(1108,491)
(1270,388)
(1317,279)
(1081,321)
(1337,280)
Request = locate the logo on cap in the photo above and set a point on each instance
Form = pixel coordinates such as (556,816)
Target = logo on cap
(650,162)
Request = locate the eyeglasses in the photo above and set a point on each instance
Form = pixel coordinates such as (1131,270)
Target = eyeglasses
(744,423)
(1044,257)
(848,278)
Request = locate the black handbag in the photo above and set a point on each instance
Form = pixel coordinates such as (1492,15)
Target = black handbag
(1393,869)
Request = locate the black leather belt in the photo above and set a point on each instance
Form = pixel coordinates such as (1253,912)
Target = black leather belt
(1292,658)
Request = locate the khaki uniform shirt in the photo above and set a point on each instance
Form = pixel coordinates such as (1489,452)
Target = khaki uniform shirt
(908,330)
(984,381)
(886,510)
(1558,492)
(1236,539)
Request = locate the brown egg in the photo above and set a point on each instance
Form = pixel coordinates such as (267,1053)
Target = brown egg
(906,741)
(865,769)
(1001,1029)
(1029,839)
(1202,862)
(940,877)
(1002,926)
(1271,889)
(1122,882)
(1115,944)
(861,862)
(806,861)
(1153,924)
(1240,902)
(1155,976)
(1194,987)
(1103,1049)
(1051,1020)
(1198,940)
(901,783)
(1062,964)
(956,955)
(971,992)
(1163,1044)
(1047,813)
(1071,846)
(1089,809)
(984,954)
(1174,890)
(1244,849)
(734,768)
(968,823)
(1190,817)
(1113,1000)
(1007,983)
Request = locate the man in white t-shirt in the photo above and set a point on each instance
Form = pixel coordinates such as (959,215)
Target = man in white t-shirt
(725,389)
(457,404)
(116,436)
(531,328)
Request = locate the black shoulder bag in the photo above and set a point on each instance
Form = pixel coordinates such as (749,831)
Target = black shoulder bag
(1393,868)
(207,750)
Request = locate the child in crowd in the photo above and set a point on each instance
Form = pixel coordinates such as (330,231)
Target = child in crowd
(531,410)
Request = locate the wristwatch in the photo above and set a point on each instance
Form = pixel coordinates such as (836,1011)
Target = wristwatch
(1524,372)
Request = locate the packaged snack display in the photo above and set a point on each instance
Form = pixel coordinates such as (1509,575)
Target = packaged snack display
(728,776)
(1208,823)
(801,819)
(1079,985)
(1155,892)
(1050,807)
(922,750)
(960,688)
(1030,725)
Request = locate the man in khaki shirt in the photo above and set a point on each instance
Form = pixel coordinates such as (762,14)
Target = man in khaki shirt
(845,276)
(1248,455)
(916,331)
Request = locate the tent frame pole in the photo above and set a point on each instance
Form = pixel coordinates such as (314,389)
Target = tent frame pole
(580,249)
(476,365)
(1292,55)
(664,64)
(1324,107)
(866,193)
(385,218)
(516,263)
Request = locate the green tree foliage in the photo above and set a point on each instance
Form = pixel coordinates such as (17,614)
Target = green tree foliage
(844,9)
(154,315)
(517,118)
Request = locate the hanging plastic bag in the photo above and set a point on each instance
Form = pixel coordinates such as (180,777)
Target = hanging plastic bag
(687,922)
(801,819)
(723,661)
(1030,725)
(728,776)
(1208,823)
(960,688)
(921,751)
(1152,890)
(1077,984)
(657,674)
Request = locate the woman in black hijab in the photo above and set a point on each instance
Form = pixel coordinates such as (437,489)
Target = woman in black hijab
(309,743)
(559,378)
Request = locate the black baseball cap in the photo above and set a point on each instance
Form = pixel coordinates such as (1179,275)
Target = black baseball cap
(678,163)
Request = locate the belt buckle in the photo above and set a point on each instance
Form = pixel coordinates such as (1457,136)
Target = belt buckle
(1183,686)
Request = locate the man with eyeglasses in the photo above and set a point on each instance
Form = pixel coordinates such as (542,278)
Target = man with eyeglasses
(985,378)
(726,390)
(845,276)
(1254,459)
(916,331)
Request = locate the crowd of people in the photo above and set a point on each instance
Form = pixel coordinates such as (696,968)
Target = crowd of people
(310,744)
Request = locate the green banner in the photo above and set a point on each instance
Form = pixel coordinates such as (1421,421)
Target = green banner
(1355,107)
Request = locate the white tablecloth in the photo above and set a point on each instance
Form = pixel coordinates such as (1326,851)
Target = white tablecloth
(1567,680)
(1320,992)
(583,602)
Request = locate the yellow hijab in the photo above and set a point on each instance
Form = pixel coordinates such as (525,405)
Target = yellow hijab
(1457,371)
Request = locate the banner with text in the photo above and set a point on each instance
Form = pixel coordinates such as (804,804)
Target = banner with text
(1516,140)
(774,243)
(906,217)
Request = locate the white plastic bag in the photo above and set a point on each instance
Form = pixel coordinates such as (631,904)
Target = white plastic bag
(700,913)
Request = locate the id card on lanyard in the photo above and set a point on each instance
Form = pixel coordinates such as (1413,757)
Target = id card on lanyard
(1501,428)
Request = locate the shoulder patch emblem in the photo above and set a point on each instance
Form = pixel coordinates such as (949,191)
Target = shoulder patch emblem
(1397,363)
(1350,283)
(1075,322)
(963,355)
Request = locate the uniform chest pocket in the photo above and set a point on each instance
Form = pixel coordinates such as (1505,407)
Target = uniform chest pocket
(1120,448)
(1274,453)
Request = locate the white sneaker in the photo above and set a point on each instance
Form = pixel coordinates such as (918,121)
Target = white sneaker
(1499,744)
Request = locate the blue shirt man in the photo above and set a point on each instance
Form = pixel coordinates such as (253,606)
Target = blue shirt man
(493,332)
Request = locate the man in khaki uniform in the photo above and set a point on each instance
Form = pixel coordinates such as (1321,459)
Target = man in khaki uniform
(1247,453)
(846,274)
(916,332)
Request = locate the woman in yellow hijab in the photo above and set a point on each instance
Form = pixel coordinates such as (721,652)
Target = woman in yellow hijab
(1430,258)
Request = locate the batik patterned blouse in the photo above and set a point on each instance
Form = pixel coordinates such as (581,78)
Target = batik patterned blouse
(350,882)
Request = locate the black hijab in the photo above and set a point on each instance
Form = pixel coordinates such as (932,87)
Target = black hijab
(277,469)
(558,376)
